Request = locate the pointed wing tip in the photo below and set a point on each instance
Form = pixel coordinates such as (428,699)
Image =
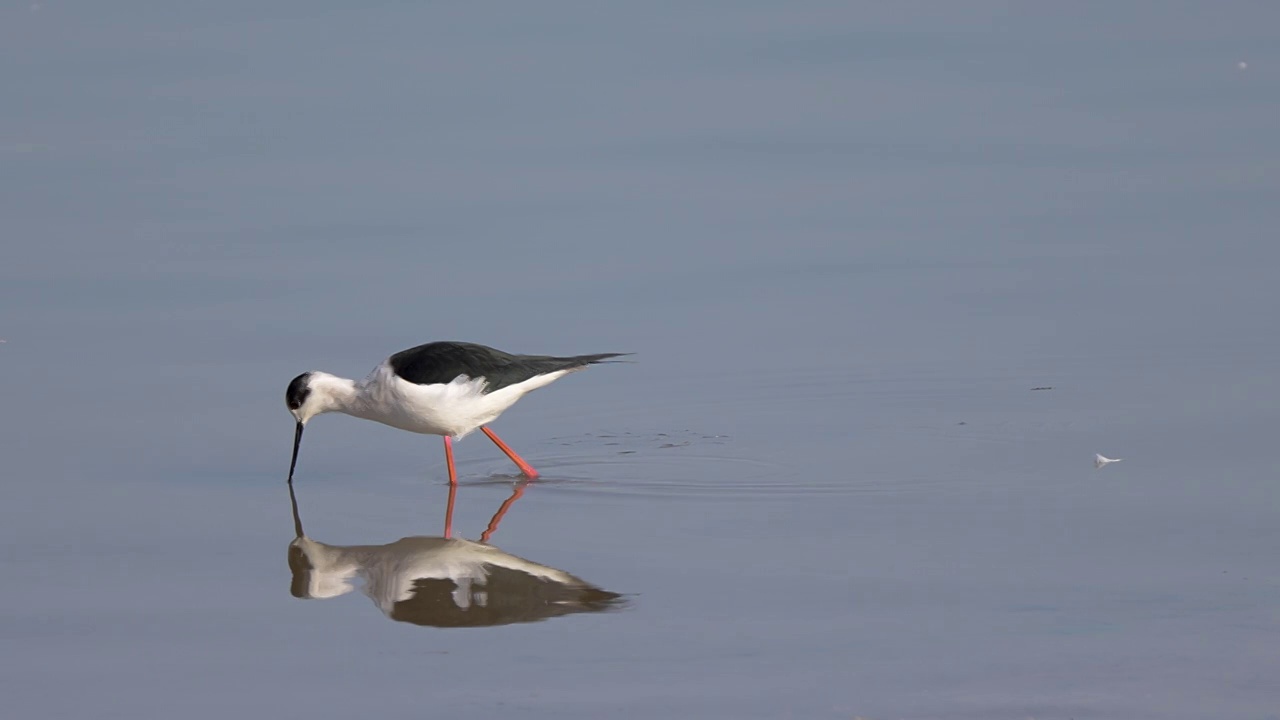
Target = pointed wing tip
(609,358)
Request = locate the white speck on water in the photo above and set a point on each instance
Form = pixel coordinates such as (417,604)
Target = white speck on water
(1242,65)
(1100,462)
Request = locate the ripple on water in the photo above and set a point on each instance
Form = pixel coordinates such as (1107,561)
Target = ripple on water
(691,466)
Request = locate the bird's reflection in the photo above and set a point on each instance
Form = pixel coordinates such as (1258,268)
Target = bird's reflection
(442,581)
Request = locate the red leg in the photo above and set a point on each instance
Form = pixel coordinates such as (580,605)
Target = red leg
(497,517)
(448,456)
(525,467)
(453,486)
(448,512)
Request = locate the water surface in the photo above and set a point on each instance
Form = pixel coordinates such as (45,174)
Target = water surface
(845,241)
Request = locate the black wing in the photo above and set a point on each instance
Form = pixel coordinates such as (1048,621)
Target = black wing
(443,362)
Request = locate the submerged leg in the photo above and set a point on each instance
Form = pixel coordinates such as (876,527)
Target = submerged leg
(525,467)
(448,456)
(506,505)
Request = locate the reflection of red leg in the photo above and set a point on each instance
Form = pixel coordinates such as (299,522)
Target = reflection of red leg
(448,456)
(448,512)
(525,467)
(497,517)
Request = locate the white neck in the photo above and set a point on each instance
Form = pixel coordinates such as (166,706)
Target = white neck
(336,394)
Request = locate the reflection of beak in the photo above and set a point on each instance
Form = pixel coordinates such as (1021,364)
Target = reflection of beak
(297,440)
(297,519)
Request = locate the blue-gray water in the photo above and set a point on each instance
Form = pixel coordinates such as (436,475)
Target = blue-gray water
(844,240)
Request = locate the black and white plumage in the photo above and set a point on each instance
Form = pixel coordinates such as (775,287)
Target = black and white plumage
(440,388)
(443,362)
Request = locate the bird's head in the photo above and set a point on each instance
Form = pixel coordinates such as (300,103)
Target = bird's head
(311,394)
(297,397)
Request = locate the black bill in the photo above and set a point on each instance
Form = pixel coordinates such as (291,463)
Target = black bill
(297,441)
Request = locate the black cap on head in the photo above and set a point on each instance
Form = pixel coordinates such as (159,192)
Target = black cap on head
(298,391)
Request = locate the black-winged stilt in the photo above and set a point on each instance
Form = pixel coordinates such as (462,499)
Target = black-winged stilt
(441,388)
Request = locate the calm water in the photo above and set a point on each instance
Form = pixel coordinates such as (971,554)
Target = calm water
(845,243)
